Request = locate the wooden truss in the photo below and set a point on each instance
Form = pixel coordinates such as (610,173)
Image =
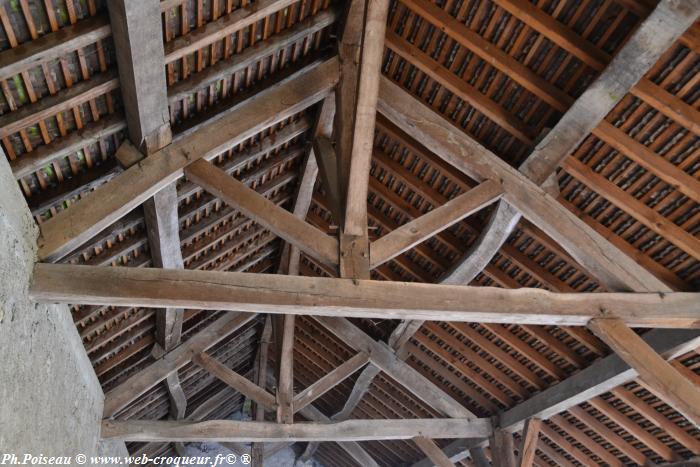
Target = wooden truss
(350,90)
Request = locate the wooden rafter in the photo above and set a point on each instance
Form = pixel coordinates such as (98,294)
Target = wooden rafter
(659,375)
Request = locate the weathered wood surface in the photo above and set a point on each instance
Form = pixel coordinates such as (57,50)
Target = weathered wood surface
(420,229)
(291,228)
(330,380)
(255,293)
(136,385)
(75,225)
(238,382)
(582,242)
(433,451)
(656,34)
(349,430)
(656,373)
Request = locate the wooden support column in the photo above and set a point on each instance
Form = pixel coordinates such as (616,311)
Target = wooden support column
(285,386)
(654,371)
(360,52)
(257,450)
(502,450)
(136,31)
(528,444)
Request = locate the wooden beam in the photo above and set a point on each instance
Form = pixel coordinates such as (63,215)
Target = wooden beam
(163,228)
(236,381)
(418,230)
(75,225)
(383,358)
(365,113)
(654,371)
(136,29)
(353,449)
(349,430)
(583,243)
(136,33)
(633,60)
(528,443)
(257,450)
(433,451)
(502,451)
(329,381)
(263,211)
(236,291)
(136,385)
(285,387)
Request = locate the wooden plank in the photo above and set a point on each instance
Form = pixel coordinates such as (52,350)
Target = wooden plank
(214,31)
(296,231)
(236,381)
(136,385)
(502,451)
(75,225)
(583,243)
(668,104)
(528,443)
(136,29)
(53,45)
(285,389)
(330,380)
(418,230)
(656,373)
(31,114)
(215,290)
(365,113)
(433,452)
(348,430)
(251,55)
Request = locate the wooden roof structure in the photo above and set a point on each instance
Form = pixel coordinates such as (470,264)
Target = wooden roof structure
(411,232)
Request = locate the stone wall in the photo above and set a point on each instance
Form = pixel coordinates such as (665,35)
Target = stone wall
(50,399)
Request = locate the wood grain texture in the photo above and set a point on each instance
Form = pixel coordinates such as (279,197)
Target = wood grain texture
(349,430)
(255,293)
(656,373)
